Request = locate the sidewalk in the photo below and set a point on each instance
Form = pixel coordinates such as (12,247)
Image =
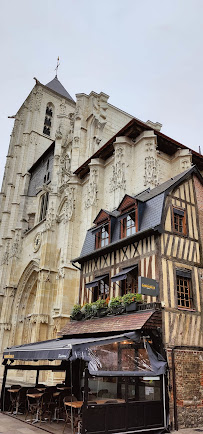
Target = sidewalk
(11,425)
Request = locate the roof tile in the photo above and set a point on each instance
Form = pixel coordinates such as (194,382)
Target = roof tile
(133,321)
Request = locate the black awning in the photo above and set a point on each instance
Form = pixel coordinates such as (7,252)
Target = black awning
(56,349)
(95,282)
(123,274)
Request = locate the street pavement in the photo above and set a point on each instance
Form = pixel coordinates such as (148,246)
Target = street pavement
(11,425)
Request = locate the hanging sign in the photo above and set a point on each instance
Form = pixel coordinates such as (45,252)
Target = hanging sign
(148,286)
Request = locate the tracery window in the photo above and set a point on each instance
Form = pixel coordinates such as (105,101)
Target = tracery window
(43,206)
(48,120)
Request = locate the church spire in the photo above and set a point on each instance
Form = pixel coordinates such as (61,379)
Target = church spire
(57,65)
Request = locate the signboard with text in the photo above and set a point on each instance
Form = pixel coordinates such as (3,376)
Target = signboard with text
(148,286)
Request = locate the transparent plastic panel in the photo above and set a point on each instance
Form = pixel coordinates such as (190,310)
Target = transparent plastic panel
(119,356)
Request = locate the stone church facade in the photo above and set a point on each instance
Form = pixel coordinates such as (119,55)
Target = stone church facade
(66,161)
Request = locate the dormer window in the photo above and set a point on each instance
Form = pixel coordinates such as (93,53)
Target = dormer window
(128,225)
(129,216)
(48,120)
(102,236)
(102,231)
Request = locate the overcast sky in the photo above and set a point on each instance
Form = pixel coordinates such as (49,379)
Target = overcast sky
(145,54)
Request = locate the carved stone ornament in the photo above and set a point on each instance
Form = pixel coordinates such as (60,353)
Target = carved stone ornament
(63,108)
(98,131)
(39,318)
(118,179)
(67,207)
(10,291)
(6,254)
(58,134)
(60,273)
(100,107)
(15,248)
(38,99)
(185,164)
(37,241)
(50,218)
(92,189)
(64,169)
(149,147)
(151,176)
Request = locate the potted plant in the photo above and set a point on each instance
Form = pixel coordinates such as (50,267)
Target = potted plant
(130,301)
(116,305)
(139,298)
(101,307)
(88,310)
(76,313)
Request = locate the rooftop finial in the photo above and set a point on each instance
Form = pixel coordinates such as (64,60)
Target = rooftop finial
(56,69)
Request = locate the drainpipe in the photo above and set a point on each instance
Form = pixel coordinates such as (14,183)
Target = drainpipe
(174,391)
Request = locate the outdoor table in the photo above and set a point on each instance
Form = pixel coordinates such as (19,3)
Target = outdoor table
(78,404)
(37,396)
(14,390)
(64,387)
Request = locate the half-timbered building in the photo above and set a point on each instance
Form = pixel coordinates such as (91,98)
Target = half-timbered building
(156,234)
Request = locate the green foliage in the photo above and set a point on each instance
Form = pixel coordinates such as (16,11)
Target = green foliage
(100,304)
(115,301)
(88,310)
(76,310)
(139,298)
(131,297)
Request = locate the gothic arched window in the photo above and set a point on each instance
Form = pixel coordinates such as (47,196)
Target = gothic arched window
(43,206)
(48,119)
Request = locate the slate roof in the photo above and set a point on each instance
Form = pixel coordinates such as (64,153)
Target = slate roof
(150,208)
(57,87)
(118,323)
(166,186)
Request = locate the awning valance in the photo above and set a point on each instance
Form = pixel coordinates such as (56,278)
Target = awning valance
(95,282)
(123,274)
(58,349)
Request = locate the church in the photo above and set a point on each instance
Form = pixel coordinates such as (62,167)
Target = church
(76,168)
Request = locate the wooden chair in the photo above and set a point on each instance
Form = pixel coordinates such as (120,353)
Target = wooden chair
(44,406)
(21,400)
(13,397)
(68,413)
(32,403)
